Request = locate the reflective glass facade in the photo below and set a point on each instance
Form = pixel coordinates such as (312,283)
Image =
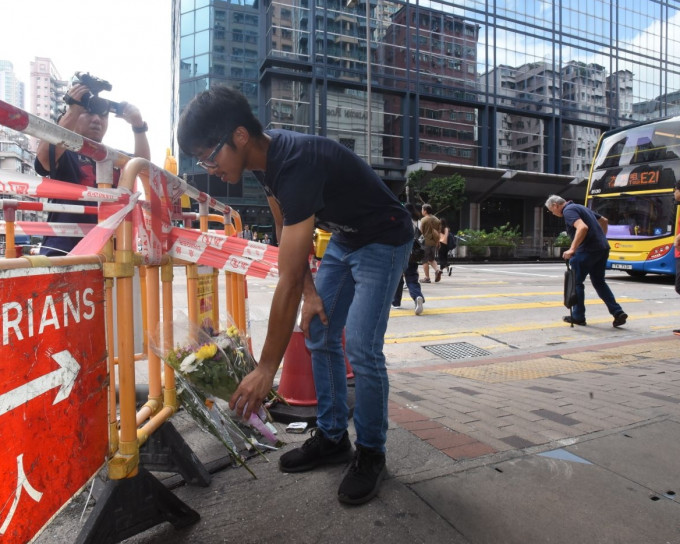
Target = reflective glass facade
(218,43)
(497,83)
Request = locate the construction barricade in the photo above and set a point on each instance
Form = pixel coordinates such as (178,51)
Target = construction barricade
(68,387)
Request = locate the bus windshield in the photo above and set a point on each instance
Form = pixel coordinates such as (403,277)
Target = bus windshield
(639,145)
(641,158)
(637,216)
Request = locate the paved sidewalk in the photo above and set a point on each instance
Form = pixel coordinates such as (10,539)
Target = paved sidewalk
(575,445)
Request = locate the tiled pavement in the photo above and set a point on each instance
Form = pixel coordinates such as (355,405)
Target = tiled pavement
(485,405)
(575,445)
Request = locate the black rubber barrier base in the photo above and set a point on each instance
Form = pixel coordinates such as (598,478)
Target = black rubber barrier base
(133,505)
(166,451)
(284,413)
(130,506)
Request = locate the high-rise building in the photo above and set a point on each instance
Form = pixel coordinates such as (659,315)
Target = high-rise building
(47,89)
(12,90)
(14,146)
(47,92)
(513,98)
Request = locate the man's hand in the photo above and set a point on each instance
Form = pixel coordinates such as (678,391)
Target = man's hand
(568,254)
(75,94)
(311,306)
(132,115)
(676,241)
(250,393)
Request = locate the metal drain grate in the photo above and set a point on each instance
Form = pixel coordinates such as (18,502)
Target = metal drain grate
(457,350)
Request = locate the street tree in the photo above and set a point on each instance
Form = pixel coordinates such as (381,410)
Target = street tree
(445,194)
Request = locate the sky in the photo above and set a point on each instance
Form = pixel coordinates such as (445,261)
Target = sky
(126,42)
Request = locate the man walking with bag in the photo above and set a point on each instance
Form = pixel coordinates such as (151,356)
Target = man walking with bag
(587,256)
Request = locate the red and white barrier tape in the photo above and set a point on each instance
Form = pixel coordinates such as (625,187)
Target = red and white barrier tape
(97,237)
(224,252)
(25,185)
(49,207)
(42,228)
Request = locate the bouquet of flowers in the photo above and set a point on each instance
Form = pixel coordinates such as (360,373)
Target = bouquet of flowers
(208,366)
(216,364)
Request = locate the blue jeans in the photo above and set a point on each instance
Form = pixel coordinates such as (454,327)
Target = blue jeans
(592,263)
(356,287)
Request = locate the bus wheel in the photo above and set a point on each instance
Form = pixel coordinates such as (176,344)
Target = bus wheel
(636,273)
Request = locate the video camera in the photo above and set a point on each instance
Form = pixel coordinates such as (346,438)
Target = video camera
(93,103)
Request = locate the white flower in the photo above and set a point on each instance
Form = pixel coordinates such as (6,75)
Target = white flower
(189,363)
(221,342)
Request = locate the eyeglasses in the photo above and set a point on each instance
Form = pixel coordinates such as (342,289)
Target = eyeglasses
(209,162)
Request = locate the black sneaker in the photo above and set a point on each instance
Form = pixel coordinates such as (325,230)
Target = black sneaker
(569,319)
(620,319)
(363,477)
(316,451)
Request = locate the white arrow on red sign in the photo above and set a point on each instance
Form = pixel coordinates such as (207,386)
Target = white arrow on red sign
(64,378)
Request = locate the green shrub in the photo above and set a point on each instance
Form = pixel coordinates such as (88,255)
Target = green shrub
(499,236)
(472,238)
(562,240)
(504,236)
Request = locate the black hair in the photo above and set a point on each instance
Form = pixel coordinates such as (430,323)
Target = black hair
(427,208)
(211,115)
(411,209)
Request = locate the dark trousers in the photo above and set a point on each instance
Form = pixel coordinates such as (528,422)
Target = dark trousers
(443,256)
(593,264)
(411,277)
(677,275)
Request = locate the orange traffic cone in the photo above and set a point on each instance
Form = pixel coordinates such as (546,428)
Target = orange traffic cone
(296,385)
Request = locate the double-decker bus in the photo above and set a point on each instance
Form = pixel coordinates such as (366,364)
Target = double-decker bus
(631,183)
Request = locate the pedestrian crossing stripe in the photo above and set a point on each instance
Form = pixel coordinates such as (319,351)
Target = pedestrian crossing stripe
(436,335)
(499,307)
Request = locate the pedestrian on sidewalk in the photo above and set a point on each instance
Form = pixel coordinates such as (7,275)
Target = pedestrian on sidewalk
(313,181)
(430,227)
(246,233)
(587,256)
(411,273)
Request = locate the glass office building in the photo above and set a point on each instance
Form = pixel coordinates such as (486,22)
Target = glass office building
(512,95)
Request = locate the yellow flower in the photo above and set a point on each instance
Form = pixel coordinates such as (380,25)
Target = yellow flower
(233,331)
(206,351)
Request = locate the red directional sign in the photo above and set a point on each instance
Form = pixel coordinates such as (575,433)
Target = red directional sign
(53,392)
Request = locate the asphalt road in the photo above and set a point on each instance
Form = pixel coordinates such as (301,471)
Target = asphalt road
(502,308)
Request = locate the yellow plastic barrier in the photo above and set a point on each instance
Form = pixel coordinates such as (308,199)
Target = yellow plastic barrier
(72,300)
